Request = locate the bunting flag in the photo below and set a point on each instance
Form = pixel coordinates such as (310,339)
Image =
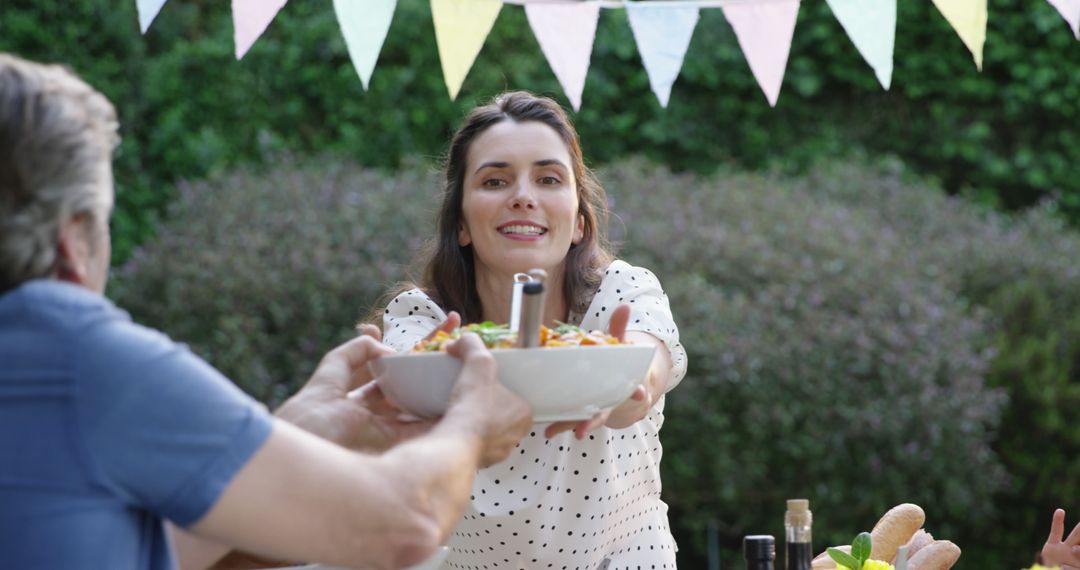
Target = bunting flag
(148,10)
(1070,10)
(662,30)
(871,25)
(461,26)
(565,33)
(764,31)
(968,18)
(364,24)
(250,20)
(662,34)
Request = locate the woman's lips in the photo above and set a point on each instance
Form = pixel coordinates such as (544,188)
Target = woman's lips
(522,231)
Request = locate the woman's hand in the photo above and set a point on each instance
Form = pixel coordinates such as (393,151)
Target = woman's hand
(639,403)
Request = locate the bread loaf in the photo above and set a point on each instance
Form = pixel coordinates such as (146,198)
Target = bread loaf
(823,562)
(938,555)
(895,528)
(918,541)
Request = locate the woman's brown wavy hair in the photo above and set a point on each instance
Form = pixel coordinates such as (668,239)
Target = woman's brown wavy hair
(448,276)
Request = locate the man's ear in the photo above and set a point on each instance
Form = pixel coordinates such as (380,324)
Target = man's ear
(73,250)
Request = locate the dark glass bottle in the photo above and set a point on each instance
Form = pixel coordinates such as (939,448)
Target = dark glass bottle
(799,552)
(759,550)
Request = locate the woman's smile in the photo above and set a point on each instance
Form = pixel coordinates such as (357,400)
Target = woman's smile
(522,230)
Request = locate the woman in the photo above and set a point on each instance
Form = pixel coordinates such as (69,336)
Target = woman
(518,196)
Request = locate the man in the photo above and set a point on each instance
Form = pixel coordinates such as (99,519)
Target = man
(107,428)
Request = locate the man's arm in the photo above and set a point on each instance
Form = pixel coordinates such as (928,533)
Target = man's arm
(303,498)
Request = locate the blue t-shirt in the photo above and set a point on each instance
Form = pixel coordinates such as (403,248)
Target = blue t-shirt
(106,428)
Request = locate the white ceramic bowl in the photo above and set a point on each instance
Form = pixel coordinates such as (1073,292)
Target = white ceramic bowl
(565,383)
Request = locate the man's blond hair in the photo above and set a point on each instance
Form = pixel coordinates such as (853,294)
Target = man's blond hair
(57,136)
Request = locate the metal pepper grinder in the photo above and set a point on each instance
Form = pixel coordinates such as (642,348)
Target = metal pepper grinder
(532,309)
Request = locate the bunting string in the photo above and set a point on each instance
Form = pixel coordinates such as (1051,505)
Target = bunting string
(662,30)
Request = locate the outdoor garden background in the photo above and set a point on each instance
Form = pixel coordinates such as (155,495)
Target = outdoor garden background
(879,290)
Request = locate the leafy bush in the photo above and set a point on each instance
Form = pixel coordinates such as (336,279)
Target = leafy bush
(189,109)
(262,273)
(823,362)
(842,328)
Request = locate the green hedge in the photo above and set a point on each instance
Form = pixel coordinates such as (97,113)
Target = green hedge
(855,337)
(1006,135)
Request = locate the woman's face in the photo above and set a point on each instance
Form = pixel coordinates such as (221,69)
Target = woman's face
(520,203)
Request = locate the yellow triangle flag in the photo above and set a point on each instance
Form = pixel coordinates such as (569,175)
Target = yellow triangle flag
(968,18)
(461,26)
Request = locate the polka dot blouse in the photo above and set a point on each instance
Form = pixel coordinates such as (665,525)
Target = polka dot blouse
(561,503)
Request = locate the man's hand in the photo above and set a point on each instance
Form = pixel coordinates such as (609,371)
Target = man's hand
(497,415)
(1058,552)
(341,403)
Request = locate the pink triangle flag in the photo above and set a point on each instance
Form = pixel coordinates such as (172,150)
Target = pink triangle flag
(764,30)
(565,32)
(1070,10)
(250,20)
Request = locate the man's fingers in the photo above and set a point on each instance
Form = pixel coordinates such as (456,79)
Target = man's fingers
(453,321)
(355,355)
(1074,536)
(368,329)
(620,317)
(1057,527)
(467,345)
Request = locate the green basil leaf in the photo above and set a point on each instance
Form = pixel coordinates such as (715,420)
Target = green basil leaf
(843,558)
(860,547)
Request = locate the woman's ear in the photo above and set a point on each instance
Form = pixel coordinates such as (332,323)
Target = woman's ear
(579,232)
(463,237)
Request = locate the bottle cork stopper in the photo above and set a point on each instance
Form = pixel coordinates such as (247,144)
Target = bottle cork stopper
(798,505)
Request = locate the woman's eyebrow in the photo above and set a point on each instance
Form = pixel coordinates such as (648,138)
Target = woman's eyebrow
(549,162)
(492,165)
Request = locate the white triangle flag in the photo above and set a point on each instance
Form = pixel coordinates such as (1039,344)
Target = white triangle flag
(148,10)
(764,31)
(364,24)
(1070,10)
(250,20)
(871,25)
(461,26)
(565,32)
(663,35)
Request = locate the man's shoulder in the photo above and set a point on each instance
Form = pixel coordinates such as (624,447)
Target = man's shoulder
(56,304)
(77,323)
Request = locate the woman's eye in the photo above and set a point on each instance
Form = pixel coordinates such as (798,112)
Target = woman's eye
(549,180)
(493,183)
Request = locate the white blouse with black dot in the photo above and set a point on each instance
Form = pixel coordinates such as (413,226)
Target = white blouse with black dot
(561,503)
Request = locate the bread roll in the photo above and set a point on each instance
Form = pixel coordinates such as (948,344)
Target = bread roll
(823,562)
(938,555)
(895,528)
(920,540)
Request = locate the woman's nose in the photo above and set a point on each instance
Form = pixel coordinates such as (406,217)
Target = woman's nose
(523,198)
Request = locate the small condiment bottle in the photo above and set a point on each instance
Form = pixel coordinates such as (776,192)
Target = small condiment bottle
(759,550)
